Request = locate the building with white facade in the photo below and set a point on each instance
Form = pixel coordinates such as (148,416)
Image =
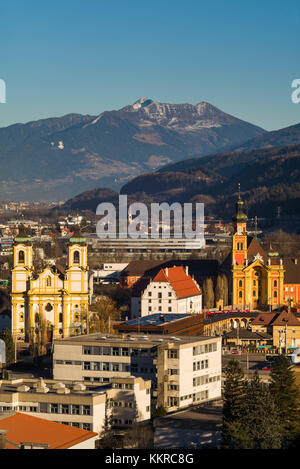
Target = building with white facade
(172,290)
(184,370)
(124,401)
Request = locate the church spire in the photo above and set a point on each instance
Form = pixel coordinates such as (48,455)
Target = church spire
(239,216)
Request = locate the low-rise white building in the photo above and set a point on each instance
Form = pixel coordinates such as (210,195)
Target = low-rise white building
(124,401)
(172,290)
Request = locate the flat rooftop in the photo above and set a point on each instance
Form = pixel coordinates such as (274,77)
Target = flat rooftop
(73,387)
(131,339)
(155,319)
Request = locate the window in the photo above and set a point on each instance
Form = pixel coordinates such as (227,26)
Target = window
(169,309)
(60,317)
(75,409)
(240,294)
(105,366)
(21,257)
(54,408)
(86,365)
(275,294)
(64,408)
(172,401)
(275,283)
(240,283)
(86,410)
(76,257)
(172,353)
(86,426)
(48,281)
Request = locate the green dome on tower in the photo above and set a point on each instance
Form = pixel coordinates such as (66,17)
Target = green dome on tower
(239,216)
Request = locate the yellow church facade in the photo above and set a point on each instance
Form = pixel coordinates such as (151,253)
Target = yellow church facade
(257,277)
(56,298)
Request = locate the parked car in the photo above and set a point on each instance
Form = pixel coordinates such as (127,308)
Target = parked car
(234,351)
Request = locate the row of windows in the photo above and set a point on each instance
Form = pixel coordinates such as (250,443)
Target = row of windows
(52,408)
(111,366)
(76,260)
(201,365)
(200,380)
(258,282)
(206,348)
(121,421)
(84,426)
(118,351)
(69,409)
(125,404)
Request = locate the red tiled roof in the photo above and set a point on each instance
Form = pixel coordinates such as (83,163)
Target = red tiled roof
(255,248)
(182,283)
(276,319)
(263,319)
(286,318)
(26,428)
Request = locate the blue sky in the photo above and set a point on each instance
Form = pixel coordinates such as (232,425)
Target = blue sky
(58,57)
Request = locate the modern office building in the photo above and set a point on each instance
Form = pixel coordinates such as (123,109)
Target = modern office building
(183,370)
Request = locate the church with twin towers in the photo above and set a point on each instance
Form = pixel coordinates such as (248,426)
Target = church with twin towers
(56,298)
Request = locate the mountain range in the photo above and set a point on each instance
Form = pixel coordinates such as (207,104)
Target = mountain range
(57,158)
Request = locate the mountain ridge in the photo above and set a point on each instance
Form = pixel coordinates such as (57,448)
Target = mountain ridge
(55,158)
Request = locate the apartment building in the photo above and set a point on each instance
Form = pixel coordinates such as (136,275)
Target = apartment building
(184,370)
(124,401)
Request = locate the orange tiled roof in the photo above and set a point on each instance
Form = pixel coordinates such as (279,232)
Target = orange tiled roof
(286,318)
(181,282)
(26,428)
(263,319)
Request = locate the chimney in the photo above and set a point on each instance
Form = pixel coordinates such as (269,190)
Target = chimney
(167,271)
(187,270)
(3,439)
(295,261)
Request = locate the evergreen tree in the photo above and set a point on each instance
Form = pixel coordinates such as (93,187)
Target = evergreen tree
(233,398)
(285,393)
(6,336)
(260,419)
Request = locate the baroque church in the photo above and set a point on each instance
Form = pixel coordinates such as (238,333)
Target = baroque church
(259,280)
(58,298)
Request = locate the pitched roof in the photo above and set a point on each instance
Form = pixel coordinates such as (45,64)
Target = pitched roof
(246,334)
(181,282)
(139,267)
(263,319)
(292,270)
(255,248)
(26,428)
(286,319)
